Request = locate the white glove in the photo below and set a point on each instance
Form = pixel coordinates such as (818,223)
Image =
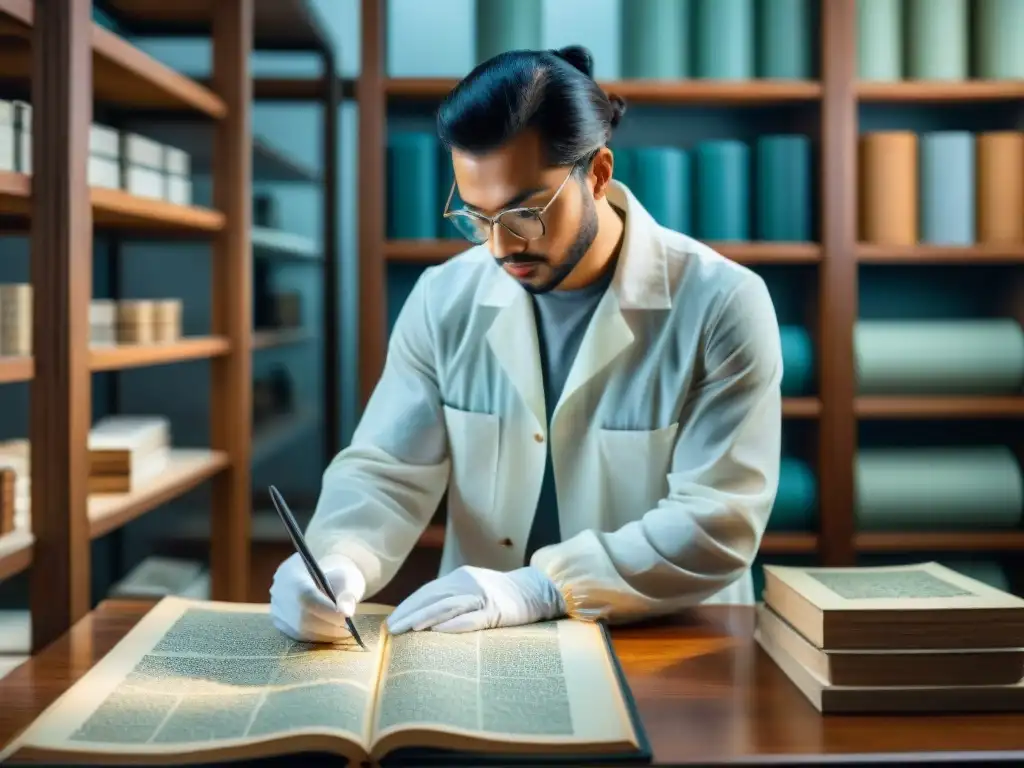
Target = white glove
(470,598)
(303,612)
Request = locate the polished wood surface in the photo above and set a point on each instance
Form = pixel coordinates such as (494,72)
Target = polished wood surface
(706,692)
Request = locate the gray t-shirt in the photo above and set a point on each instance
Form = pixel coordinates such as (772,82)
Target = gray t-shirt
(562,319)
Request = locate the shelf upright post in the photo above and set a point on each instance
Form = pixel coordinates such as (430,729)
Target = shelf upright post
(332,352)
(231,396)
(837,438)
(61,256)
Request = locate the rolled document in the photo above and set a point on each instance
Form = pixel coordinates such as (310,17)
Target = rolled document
(939,357)
(938,488)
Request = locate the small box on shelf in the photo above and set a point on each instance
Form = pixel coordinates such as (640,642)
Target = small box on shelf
(148,321)
(102,322)
(104,157)
(15,319)
(178,166)
(143,164)
(125,451)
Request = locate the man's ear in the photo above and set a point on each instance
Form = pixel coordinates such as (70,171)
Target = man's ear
(601,171)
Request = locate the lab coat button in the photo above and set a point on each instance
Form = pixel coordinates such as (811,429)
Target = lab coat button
(539,437)
(506,542)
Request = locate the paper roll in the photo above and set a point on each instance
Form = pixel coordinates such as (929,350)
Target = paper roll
(505,25)
(937,33)
(796,502)
(724,39)
(783,39)
(655,39)
(783,185)
(947,188)
(880,40)
(964,357)
(1000,176)
(888,189)
(723,190)
(938,488)
(999,48)
(661,177)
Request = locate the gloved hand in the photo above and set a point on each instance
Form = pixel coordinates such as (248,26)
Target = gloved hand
(471,598)
(302,611)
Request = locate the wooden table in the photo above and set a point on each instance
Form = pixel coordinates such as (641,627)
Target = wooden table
(707,694)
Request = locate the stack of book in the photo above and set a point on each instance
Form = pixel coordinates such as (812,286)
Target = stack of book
(16,319)
(126,452)
(148,321)
(909,638)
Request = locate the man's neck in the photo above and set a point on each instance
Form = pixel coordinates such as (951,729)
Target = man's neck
(602,252)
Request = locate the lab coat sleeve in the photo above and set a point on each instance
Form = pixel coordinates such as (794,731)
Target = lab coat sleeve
(381,491)
(721,485)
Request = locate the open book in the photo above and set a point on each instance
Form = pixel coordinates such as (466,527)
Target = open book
(203,682)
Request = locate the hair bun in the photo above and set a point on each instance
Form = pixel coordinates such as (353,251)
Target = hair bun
(579,57)
(618,109)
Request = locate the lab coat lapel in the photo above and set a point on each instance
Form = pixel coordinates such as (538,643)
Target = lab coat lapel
(512,337)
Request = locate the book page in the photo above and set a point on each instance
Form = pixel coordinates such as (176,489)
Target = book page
(543,684)
(201,675)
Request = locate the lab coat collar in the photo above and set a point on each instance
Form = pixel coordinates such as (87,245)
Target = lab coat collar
(641,276)
(640,282)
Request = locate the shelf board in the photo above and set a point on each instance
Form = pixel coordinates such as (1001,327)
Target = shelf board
(122,356)
(284,244)
(801,407)
(13,369)
(665,92)
(115,208)
(939,407)
(269,163)
(283,337)
(122,74)
(868,253)
(788,543)
(940,541)
(275,23)
(15,552)
(940,92)
(279,431)
(187,469)
(436,251)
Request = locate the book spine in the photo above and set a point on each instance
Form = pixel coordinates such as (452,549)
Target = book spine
(880,40)
(655,39)
(414,209)
(724,39)
(8,480)
(999,48)
(889,196)
(446,178)
(1000,165)
(937,32)
(505,25)
(723,184)
(661,176)
(783,182)
(783,39)
(797,360)
(7,137)
(947,188)
(797,498)
(16,320)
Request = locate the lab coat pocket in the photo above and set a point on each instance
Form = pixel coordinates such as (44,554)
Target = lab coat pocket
(473,442)
(635,466)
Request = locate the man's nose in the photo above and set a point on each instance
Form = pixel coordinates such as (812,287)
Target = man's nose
(503,243)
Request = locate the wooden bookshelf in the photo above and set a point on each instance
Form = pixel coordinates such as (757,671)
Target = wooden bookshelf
(279,337)
(76,62)
(837,410)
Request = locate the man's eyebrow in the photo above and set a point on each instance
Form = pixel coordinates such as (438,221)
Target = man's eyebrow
(512,202)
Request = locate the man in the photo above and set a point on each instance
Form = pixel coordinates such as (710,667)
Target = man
(600,396)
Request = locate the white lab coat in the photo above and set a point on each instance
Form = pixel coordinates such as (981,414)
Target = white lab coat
(666,439)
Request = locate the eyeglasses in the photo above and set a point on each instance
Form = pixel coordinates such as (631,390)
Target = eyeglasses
(524,223)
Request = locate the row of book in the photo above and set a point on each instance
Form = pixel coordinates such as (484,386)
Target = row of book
(117,159)
(942,187)
(962,488)
(134,321)
(939,39)
(907,638)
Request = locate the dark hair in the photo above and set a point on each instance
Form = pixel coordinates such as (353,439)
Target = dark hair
(551,91)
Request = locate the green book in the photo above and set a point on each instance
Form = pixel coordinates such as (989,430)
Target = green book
(198,682)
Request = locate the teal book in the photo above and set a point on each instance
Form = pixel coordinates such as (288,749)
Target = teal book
(937,35)
(660,178)
(656,39)
(783,182)
(446,178)
(722,190)
(724,39)
(507,25)
(999,39)
(200,682)
(413,207)
(947,188)
(797,360)
(784,39)
(796,502)
(880,40)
